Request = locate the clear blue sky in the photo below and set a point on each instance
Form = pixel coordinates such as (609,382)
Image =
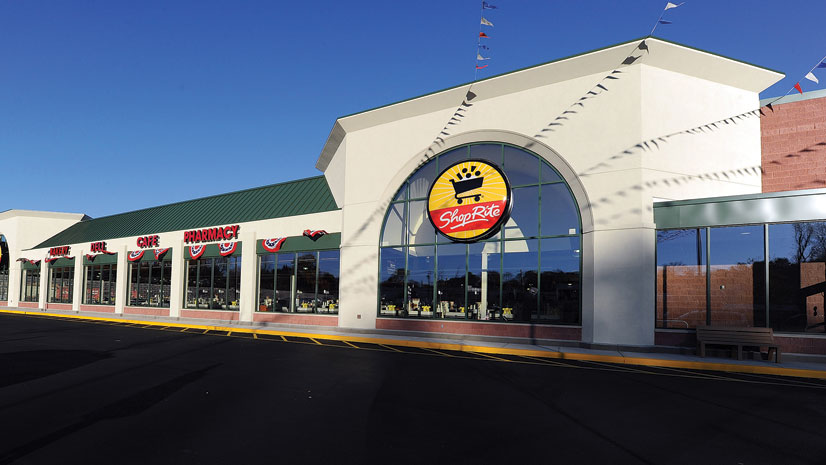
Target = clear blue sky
(110,105)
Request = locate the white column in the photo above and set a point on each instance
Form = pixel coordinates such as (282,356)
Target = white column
(44,284)
(618,286)
(77,285)
(249,274)
(14,281)
(122,279)
(176,293)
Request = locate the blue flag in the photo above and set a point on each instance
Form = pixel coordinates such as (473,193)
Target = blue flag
(662,21)
(488,6)
(822,64)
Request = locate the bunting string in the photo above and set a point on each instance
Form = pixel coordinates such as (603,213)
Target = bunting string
(809,76)
(480,59)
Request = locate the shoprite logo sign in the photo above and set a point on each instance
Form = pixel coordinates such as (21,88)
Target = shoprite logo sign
(469,200)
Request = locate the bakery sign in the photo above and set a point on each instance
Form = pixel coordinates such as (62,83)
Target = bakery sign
(469,201)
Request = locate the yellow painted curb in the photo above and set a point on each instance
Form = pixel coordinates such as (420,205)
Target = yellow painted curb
(641,361)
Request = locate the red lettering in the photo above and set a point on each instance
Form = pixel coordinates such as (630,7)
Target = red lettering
(154,241)
(219,234)
(198,236)
(186,236)
(235,231)
(211,235)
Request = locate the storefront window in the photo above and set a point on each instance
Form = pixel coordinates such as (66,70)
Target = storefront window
(797,277)
(303,282)
(30,284)
(423,274)
(61,284)
(149,283)
(737,276)
(100,284)
(681,278)
(214,283)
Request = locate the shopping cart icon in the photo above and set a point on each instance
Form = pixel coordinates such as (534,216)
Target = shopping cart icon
(468,184)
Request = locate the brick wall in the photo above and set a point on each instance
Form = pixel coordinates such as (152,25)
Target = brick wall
(794,145)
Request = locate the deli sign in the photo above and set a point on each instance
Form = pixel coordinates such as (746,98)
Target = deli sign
(469,201)
(221,233)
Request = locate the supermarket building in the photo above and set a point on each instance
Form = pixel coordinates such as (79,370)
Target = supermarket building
(620,207)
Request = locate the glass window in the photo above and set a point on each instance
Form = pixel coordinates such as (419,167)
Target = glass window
(737,276)
(559,213)
(285,282)
(100,284)
(30,283)
(797,277)
(421,267)
(521,167)
(394,226)
(266,283)
(391,281)
(477,281)
(328,279)
(523,221)
(61,284)
(149,284)
(213,283)
(520,286)
(4,269)
(192,284)
(305,282)
(560,280)
(450,285)
(681,278)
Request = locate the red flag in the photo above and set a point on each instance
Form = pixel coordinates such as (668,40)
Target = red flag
(482,34)
(797,86)
(481,67)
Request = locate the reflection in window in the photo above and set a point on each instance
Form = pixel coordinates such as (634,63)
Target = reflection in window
(426,275)
(303,282)
(4,269)
(737,276)
(797,276)
(681,278)
(30,284)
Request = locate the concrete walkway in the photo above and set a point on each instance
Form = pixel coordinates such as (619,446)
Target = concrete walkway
(812,367)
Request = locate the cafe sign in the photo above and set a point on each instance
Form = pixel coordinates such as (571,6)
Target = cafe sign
(469,201)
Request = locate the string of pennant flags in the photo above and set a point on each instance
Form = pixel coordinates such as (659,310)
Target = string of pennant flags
(810,76)
(480,59)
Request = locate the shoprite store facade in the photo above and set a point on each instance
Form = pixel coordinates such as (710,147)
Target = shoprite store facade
(547,204)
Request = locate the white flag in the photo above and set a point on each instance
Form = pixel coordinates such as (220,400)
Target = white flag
(812,78)
(671,5)
(486,22)
(480,57)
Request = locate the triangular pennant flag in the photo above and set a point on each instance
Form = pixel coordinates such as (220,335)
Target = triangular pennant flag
(484,47)
(470,96)
(812,78)
(482,34)
(770,107)
(797,86)
(481,67)
(761,112)
(822,64)
(485,22)
(671,5)
(488,6)
(479,57)
(643,46)
(662,21)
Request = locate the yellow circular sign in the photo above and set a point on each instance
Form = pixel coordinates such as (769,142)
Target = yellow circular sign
(469,200)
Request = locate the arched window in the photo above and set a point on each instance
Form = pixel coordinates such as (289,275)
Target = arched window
(528,271)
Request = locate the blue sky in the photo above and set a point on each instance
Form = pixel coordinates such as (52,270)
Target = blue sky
(109,105)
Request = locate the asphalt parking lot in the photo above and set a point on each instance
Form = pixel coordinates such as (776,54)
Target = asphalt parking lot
(74,391)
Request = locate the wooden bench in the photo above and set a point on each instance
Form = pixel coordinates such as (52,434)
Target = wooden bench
(737,336)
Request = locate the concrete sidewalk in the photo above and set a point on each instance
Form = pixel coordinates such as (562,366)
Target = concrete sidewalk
(811,367)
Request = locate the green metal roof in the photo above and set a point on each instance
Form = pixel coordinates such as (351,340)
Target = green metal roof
(311,195)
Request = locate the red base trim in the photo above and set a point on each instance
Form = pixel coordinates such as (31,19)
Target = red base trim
(210,314)
(156,311)
(54,306)
(792,345)
(296,319)
(28,304)
(98,308)
(483,329)
(4,303)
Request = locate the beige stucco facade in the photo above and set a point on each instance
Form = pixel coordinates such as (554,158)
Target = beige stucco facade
(621,137)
